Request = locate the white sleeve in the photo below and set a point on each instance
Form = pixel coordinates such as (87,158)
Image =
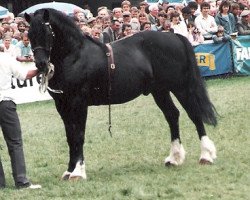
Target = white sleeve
(17,69)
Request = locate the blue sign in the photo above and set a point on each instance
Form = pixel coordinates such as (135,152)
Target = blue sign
(214,59)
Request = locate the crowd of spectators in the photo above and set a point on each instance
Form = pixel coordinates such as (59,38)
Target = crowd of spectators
(200,21)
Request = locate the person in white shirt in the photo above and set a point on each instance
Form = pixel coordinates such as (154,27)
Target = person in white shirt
(9,121)
(8,47)
(206,23)
(177,25)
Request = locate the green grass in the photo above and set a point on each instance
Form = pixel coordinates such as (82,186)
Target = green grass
(130,164)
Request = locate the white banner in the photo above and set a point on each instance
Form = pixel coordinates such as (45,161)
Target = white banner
(28,90)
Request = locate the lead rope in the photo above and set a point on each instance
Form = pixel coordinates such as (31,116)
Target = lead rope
(45,79)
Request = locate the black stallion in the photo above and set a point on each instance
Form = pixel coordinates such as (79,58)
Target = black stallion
(87,72)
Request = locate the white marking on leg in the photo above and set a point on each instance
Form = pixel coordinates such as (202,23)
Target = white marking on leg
(208,150)
(79,171)
(177,153)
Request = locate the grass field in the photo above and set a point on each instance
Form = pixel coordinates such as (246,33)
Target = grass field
(130,164)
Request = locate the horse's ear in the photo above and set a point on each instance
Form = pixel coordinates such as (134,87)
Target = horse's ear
(27,17)
(46,16)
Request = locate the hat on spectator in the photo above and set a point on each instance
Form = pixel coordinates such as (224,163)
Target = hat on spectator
(126,3)
(126,13)
(91,19)
(245,13)
(143,3)
(134,8)
(4,15)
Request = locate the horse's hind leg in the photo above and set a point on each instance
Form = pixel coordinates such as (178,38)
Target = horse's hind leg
(171,113)
(208,150)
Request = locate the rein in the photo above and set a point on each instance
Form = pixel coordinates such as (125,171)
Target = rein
(111,70)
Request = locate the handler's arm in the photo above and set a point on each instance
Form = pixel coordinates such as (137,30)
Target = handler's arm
(31,73)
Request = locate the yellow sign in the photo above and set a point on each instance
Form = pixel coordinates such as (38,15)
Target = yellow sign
(205,59)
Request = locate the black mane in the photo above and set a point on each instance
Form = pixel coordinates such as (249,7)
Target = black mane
(68,29)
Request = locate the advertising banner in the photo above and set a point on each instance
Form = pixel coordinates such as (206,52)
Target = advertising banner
(214,59)
(241,55)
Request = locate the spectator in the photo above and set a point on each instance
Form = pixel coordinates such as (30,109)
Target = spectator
(8,30)
(8,47)
(126,30)
(103,12)
(134,12)
(143,18)
(91,22)
(213,8)
(244,3)
(17,36)
(146,26)
(235,10)
(177,25)
(126,17)
(220,36)
(205,22)
(186,15)
(167,26)
(111,33)
(106,22)
(117,13)
(153,14)
(142,7)
(243,25)
(23,49)
(162,16)
(80,17)
(165,5)
(194,35)
(18,19)
(198,11)
(96,33)
(170,10)
(87,30)
(135,25)
(126,5)
(21,26)
(225,18)
(78,14)
(193,7)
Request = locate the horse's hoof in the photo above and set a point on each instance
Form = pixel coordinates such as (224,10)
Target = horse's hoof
(169,164)
(204,161)
(75,178)
(66,177)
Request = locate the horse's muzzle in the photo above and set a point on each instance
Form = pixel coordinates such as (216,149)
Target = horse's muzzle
(42,66)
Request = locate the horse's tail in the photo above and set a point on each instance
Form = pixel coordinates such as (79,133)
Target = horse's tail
(197,93)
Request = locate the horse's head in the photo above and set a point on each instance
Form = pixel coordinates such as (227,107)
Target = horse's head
(41,38)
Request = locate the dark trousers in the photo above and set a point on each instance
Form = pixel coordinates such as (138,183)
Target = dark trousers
(11,129)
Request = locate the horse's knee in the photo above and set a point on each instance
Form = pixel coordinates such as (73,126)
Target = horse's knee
(177,154)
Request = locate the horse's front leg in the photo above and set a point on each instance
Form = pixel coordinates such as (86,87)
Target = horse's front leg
(75,123)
